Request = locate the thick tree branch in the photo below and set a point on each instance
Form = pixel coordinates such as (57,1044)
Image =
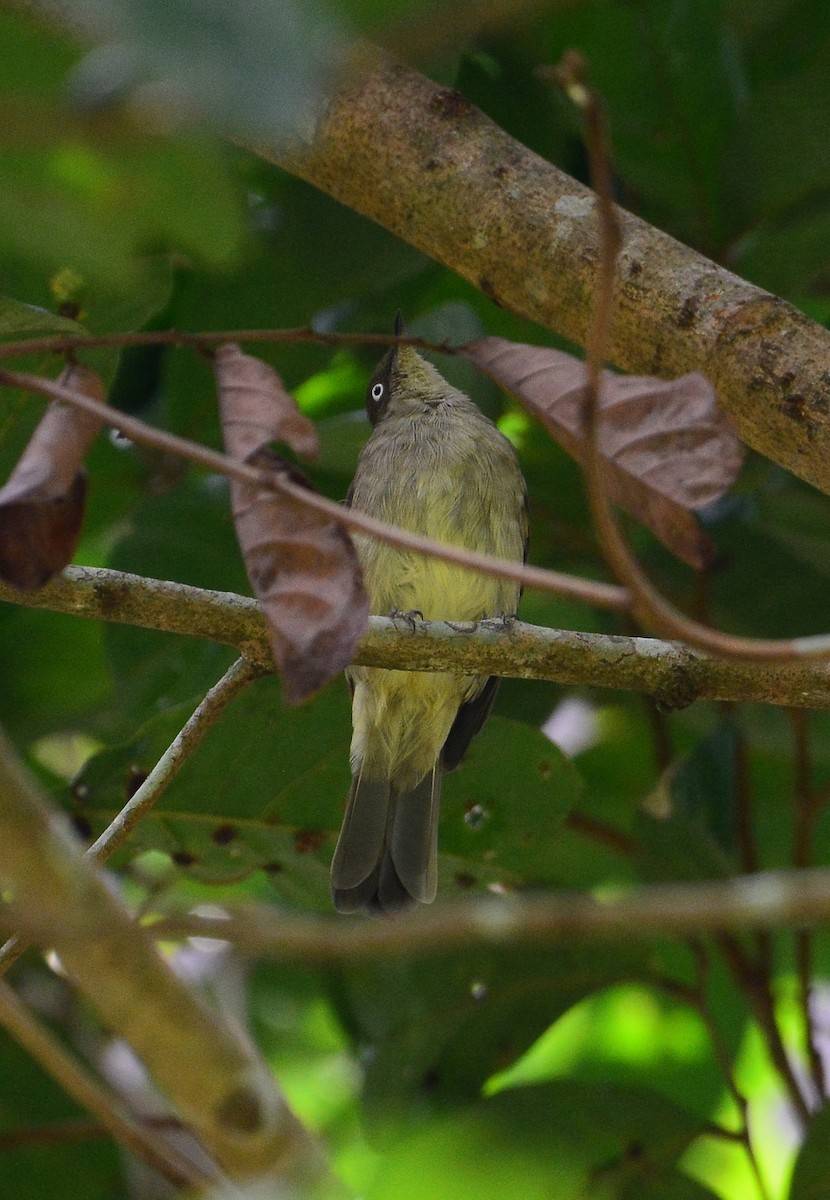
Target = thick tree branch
(213,1075)
(670,672)
(424,162)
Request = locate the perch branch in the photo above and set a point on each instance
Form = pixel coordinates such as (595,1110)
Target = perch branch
(670,672)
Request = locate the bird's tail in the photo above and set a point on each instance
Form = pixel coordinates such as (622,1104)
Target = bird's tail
(386,858)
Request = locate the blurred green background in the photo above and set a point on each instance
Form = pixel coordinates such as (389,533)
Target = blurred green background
(601,1071)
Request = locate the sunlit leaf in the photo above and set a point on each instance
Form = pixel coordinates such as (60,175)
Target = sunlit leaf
(565,1139)
(434,1028)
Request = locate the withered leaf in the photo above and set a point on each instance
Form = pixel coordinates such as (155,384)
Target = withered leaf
(667,448)
(42,504)
(302,566)
(256,408)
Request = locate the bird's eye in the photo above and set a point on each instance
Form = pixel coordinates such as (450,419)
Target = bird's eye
(377,391)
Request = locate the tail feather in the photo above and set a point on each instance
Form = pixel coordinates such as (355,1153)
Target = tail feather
(386,858)
(413,837)
(362,837)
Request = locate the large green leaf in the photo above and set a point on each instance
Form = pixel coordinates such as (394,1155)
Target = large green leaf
(686,829)
(19,320)
(433,1028)
(265,791)
(563,1139)
(811,1175)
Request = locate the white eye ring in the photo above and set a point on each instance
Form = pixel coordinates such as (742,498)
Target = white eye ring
(377,391)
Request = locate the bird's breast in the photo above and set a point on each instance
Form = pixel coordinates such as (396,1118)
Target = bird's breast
(457,482)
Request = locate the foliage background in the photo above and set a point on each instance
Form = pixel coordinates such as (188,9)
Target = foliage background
(600,1073)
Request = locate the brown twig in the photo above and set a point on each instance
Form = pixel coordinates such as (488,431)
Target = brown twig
(808,803)
(724,1060)
(600,594)
(602,833)
(647,603)
(63,343)
(754,984)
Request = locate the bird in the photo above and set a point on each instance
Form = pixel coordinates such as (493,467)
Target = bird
(435,465)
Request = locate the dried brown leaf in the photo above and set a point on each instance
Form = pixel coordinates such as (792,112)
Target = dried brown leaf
(42,504)
(302,566)
(256,408)
(667,448)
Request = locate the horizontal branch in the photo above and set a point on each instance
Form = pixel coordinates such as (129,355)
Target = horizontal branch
(775,900)
(670,672)
(422,161)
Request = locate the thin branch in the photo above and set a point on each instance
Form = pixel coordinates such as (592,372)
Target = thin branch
(671,673)
(755,986)
(638,596)
(808,804)
(648,604)
(602,595)
(91,1095)
(57,1133)
(234,681)
(724,1060)
(769,900)
(63,343)
(601,832)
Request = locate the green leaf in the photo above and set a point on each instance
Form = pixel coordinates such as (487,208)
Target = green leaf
(811,1175)
(434,1028)
(503,810)
(686,829)
(670,84)
(563,1139)
(18,320)
(778,157)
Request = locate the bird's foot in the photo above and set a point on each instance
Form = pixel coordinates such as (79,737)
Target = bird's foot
(409,617)
(500,622)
